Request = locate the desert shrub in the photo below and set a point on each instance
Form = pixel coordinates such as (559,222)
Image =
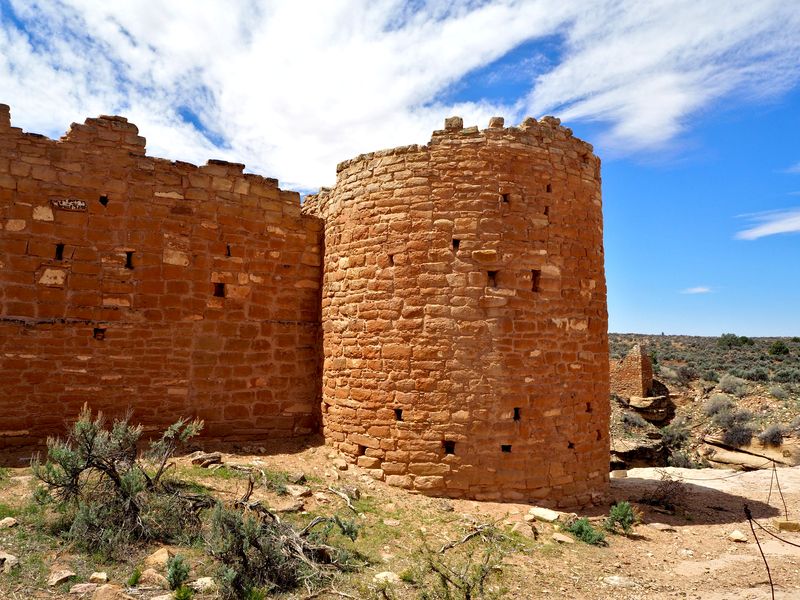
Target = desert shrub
(682,459)
(796,339)
(134,578)
(731,340)
(687,373)
(754,374)
(183,593)
(177,571)
(735,426)
(732,385)
(630,419)
(778,392)
(668,494)
(772,435)
(787,375)
(620,516)
(461,571)
(586,532)
(258,551)
(675,435)
(710,375)
(109,496)
(717,403)
(778,348)
(668,373)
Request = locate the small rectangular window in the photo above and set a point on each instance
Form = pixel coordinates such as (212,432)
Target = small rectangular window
(449,447)
(59,251)
(129,259)
(398,414)
(99,333)
(492,278)
(219,290)
(506,198)
(536,280)
(517,414)
(505,447)
(456,243)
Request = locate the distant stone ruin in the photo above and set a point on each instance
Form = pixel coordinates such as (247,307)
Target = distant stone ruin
(439,315)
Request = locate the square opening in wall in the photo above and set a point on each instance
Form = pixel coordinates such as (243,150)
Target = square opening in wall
(398,414)
(536,280)
(129,259)
(506,198)
(517,413)
(456,243)
(492,275)
(227,250)
(99,333)
(104,200)
(449,446)
(219,290)
(505,447)
(546,211)
(361,450)
(570,445)
(549,188)
(391,260)
(59,252)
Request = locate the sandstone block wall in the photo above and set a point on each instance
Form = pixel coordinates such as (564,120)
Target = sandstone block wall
(128,281)
(633,375)
(464,314)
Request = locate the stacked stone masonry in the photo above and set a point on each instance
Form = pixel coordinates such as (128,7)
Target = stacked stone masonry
(632,376)
(132,282)
(439,314)
(464,314)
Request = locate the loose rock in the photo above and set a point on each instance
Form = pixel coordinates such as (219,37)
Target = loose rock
(151,578)
(159,558)
(8,562)
(544,514)
(662,527)
(562,539)
(298,491)
(737,536)
(8,522)
(83,588)
(60,576)
(203,584)
(110,592)
(619,581)
(98,577)
(387,577)
(340,464)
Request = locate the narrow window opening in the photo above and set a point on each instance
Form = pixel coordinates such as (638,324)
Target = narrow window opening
(456,243)
(227,249)
(104,200)
(505,447)
(570,445)
(492,278)
(536,280)
(549,188)
(517,414)
(361,450)
(129,259)
(588,407)
(99,333)
(59,251)
(398,414)
(449,447)
(391,260)
(599,435)
(506,198)
(219,290)
(546,211)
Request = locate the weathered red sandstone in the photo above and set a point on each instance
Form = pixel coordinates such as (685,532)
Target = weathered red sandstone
(632,376)
(462,318)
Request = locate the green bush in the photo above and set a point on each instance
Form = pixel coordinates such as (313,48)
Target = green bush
(675,435)
(108,496)
(183,593)
(620,516)
(787,375)
(177,571)
(258,551)
(586,532)
(779,348)
(630,419)
(778,392)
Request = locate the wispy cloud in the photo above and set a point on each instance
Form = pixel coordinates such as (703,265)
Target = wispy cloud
(292,88)
(794,168)
(771,223)
(700,289)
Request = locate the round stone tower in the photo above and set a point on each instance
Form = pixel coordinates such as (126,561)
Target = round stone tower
(464,314)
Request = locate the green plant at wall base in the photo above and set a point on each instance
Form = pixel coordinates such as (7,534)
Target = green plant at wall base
(177,571)
(586,532)
(620,516)
(183,593)
(133,580)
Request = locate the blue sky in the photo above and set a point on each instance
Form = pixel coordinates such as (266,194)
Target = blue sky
(693,105)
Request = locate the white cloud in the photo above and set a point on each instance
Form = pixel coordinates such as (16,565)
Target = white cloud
(700,289)
(794,168)
(291,88)
(771,223)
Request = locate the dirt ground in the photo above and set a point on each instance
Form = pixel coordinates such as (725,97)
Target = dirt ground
(683,553)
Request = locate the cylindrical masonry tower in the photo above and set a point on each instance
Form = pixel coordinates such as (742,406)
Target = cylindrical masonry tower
(464,314)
